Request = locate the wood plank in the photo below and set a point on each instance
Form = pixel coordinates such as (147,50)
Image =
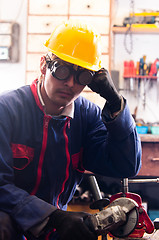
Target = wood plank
(87,7)
(135,30)
(100,23)
(149,138)
(48,7)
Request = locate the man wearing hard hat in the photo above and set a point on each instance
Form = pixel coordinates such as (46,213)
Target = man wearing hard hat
(49,136)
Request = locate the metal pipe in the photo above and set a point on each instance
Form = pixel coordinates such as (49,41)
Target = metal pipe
(124,185)
(95,188)
(155,180)
(97,194)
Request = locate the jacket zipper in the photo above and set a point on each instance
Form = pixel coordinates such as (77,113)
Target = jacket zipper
(67,123)
(41,159)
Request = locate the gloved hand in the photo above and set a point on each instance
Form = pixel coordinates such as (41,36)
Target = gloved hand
(71,226)
(103,85)
(8,228)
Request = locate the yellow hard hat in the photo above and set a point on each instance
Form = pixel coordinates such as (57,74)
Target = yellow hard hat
(76,43)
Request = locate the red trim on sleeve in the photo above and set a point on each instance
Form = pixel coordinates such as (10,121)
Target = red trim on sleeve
(48,235)
(77,161)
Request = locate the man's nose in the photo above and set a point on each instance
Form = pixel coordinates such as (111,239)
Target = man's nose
(69,81)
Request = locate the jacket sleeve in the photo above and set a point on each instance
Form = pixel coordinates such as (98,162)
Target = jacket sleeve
(25,209)
(112,146)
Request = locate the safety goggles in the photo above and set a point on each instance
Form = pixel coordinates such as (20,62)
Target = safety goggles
(62,71)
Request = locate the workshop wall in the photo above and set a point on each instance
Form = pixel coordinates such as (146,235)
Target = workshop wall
(44,16)
(134,46)
(12,75)
(122,8)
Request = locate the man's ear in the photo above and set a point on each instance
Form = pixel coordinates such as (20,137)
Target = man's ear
(43,65)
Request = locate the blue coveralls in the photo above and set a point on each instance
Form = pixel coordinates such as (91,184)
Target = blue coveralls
(42,158)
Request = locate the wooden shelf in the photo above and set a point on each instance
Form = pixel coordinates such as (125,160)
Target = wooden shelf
(140,76)
(135,30)
(149,138)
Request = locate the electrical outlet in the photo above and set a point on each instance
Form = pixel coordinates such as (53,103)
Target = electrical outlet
(4,53)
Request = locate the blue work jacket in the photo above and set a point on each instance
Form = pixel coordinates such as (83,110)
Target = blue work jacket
(43,158)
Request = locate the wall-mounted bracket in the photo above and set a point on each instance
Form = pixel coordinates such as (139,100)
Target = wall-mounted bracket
(9,41)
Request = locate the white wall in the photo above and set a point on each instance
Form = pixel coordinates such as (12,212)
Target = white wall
(12,75)
(138,45)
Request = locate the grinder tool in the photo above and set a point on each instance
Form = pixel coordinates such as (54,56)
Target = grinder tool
(124,216)
(119,218)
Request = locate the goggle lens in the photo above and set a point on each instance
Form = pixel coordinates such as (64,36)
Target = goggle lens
(85,77)
(63,71)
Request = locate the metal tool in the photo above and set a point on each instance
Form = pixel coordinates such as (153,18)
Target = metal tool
(99,202)
(152,180)
(120,212)
(116,214)
(143,222)
(124,216)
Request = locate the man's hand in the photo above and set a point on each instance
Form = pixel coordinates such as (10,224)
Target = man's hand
(8,228)
(71,226)
(103,85)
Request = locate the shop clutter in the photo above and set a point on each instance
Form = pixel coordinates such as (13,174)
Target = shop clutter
(140,74)
(149,128)
(140,77)
(83,193)
(141,69)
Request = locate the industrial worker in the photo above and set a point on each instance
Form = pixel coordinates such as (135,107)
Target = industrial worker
(50,135)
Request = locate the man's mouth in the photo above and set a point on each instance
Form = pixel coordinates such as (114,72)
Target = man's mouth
(65,93)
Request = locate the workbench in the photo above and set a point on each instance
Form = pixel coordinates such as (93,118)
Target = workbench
(150,155)
(150,167)
(153,236)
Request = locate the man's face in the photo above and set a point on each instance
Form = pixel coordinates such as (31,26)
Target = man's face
(61,92)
